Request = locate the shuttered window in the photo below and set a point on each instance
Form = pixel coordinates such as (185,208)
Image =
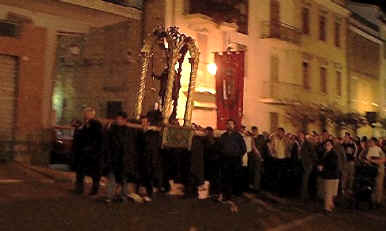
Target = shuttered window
(8,67)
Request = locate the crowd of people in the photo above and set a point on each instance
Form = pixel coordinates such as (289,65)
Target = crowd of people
(311,166)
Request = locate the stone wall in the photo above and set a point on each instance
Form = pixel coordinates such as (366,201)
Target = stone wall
(96,68)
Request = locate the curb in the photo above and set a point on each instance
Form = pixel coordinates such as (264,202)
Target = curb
(49,173)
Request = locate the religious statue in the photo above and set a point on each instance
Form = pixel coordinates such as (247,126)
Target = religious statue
(163,78)
(172,47)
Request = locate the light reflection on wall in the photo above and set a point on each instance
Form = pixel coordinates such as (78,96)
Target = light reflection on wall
(185,76)
(57,100)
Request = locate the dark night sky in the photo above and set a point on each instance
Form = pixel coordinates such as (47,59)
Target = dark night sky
(381,3)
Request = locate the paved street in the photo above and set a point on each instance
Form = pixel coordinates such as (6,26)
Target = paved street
(31,201)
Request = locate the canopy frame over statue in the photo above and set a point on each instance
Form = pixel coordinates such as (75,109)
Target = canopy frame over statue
(178,45)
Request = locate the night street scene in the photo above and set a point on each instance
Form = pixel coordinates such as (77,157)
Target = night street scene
(192,115)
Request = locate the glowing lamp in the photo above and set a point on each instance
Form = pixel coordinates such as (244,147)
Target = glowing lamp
(212,68)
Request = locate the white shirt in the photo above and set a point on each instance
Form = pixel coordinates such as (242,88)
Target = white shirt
(248,144)
(374,152)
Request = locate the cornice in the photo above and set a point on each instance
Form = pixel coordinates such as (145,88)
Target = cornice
(107,7)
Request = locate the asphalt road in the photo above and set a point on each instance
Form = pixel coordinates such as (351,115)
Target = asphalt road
(29,201)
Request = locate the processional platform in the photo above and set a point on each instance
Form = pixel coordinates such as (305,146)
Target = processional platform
(177,45)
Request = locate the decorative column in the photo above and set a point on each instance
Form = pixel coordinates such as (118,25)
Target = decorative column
(142,84)
(192,85)
(169,88)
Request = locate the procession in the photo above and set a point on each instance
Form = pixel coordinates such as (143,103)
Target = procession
(307,166)
(154,152)
(192,115)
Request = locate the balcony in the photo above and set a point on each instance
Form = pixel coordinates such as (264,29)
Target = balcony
(222,11)
(282,31)
(286,93)
(126,8)
(138,4)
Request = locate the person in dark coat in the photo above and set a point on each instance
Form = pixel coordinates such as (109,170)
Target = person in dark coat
(211,161)
(329,167)
(122,141)
(232,148)
(121,161)
(308,159)
(88,146)
(149,144)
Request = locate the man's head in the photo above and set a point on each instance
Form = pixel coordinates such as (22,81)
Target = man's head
(280,132)
(230,125)
(145,122)
(209,131)
(301,136)
(325,134)
(373,141)
(347,137)
(254,130)
(243,129)
(329,144)
(121,118)
(89,113)
(308,137)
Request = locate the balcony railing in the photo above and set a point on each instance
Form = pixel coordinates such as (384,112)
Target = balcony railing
(138,4)
(281,92)
(365,22)
(222,12)
(282,31)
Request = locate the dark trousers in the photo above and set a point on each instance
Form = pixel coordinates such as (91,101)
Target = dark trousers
(230,168)
(306,183)
(254,171)
(279,171)
(212,174)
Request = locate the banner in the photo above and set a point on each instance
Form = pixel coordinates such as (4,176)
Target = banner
(229,87)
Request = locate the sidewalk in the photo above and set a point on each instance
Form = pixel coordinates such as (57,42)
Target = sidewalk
(55,175)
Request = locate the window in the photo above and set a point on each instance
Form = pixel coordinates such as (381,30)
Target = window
(275,11)
(274,68)
(306,76)
(274,120)
(384,50)
(337,34)
(113,108)
(323,80)
(322,27)
(275,19)
(8,29)
(338,83)
(306,20)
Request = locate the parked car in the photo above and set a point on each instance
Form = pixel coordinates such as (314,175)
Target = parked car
(61,152)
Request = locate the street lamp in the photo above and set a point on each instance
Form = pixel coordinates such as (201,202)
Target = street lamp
(212,68)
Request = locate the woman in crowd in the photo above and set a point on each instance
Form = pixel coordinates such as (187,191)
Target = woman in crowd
(330,174)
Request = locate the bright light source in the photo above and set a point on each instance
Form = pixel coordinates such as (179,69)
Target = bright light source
(212,68)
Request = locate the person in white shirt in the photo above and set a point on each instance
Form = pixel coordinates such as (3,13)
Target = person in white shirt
(255,160)
(279,153)
(375,155)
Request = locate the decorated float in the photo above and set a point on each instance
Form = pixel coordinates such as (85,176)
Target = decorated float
(181,144)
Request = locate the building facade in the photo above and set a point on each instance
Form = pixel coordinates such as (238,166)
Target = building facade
(301,56)
(366,65)
(295,53)
(58,56)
